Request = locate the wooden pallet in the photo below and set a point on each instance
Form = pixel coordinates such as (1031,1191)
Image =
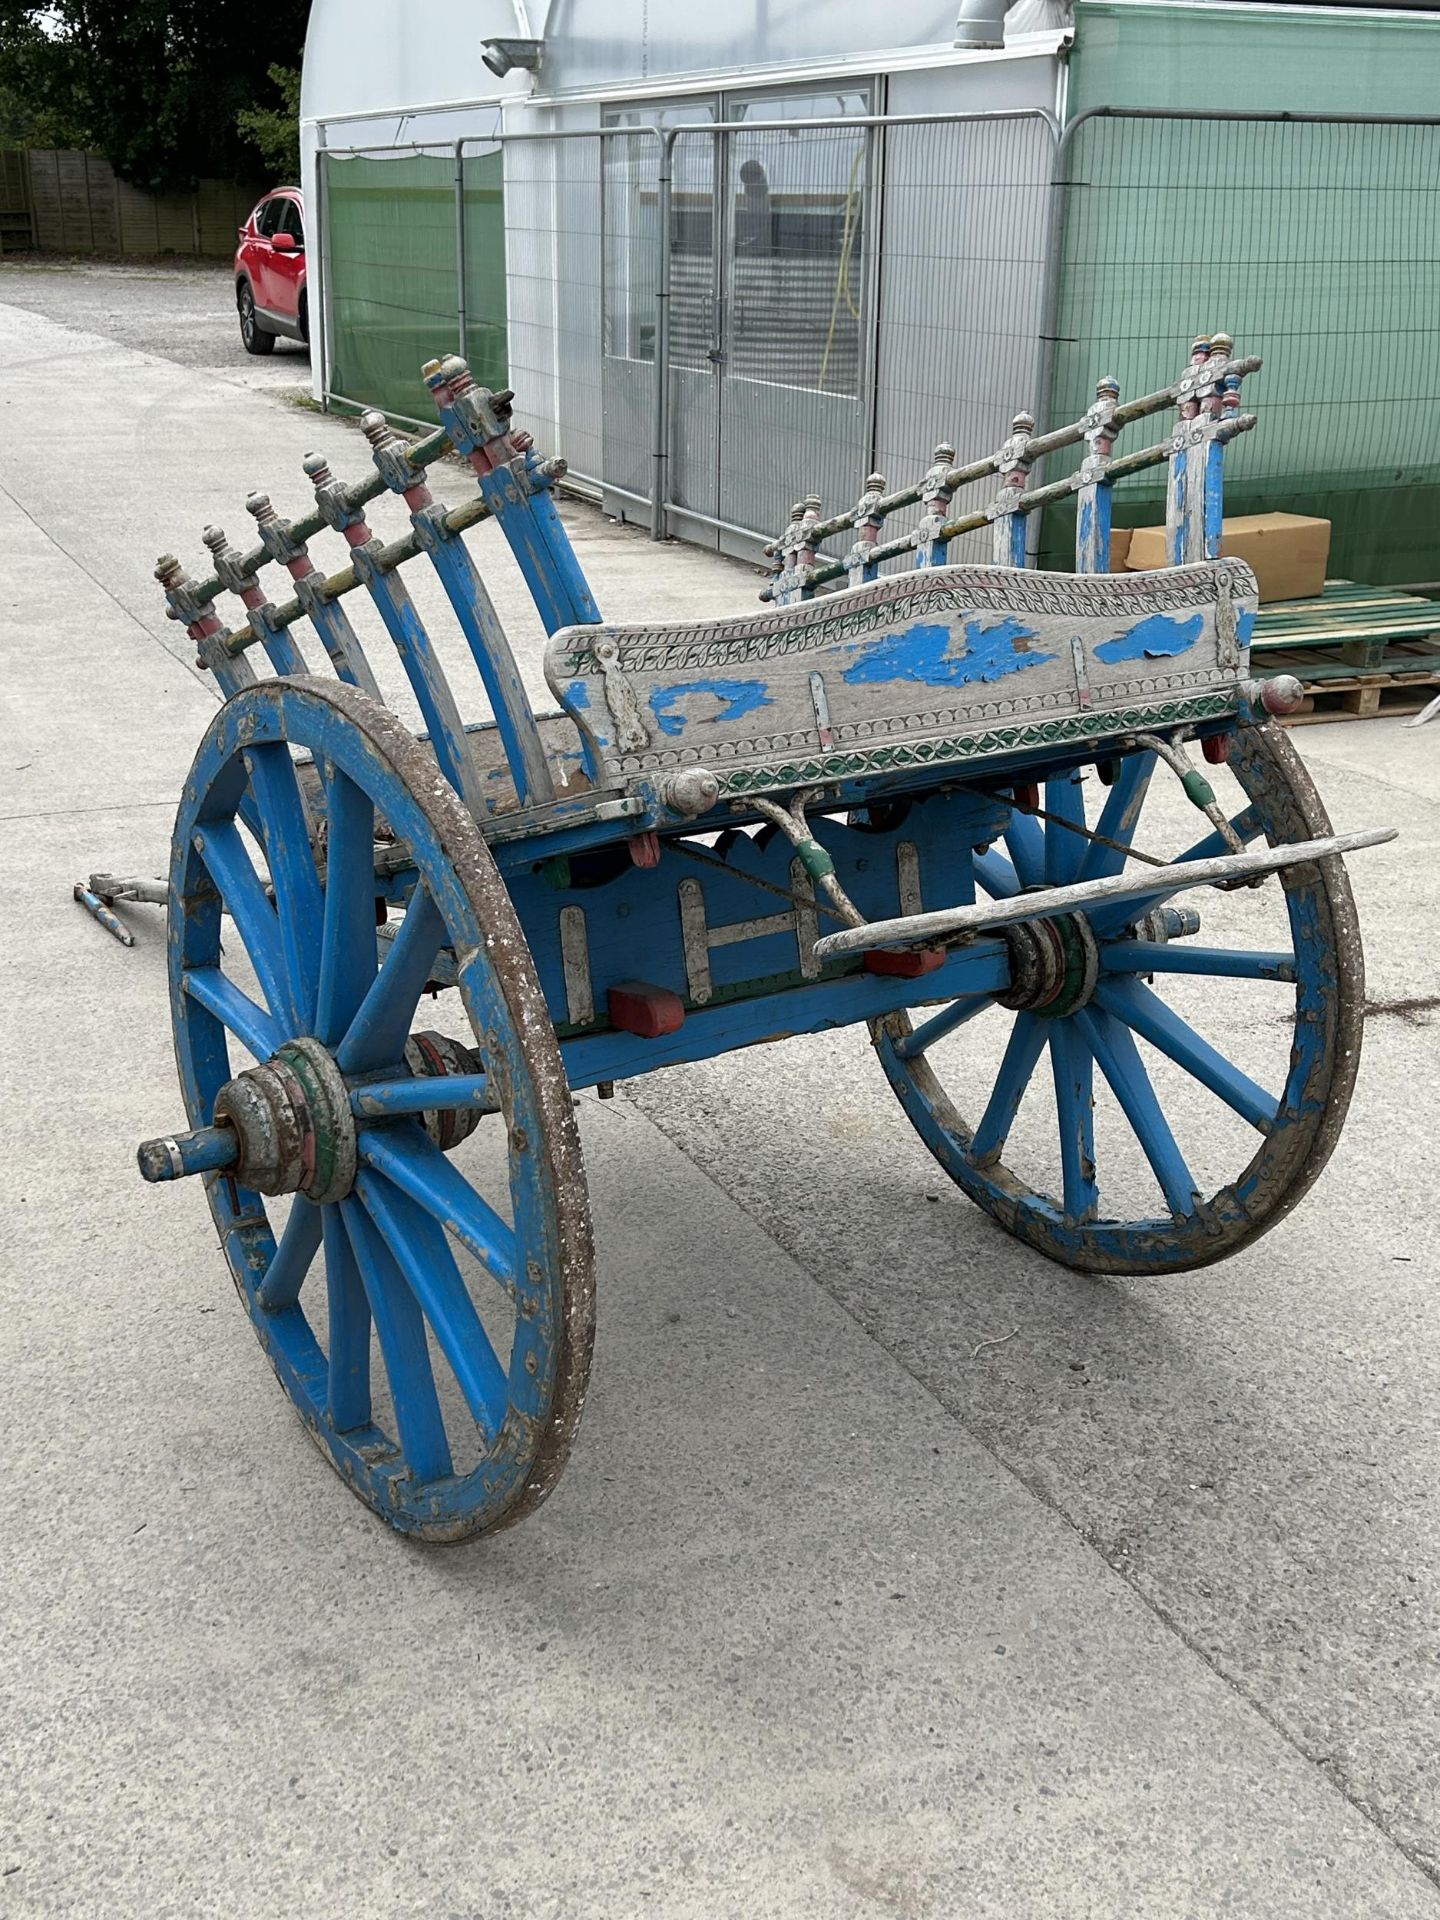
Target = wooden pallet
(1358,651)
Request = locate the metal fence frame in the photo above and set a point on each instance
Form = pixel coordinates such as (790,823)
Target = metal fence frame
(659,501)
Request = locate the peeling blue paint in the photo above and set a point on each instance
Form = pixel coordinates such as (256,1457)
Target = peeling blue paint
(577,694)
(1244,626)
(922,653)
(1087,521)
(736,697)
(1157,638)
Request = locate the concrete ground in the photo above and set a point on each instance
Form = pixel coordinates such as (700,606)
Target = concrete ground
(839,1611)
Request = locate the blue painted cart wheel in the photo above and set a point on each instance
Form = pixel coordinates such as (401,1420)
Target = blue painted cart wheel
(435,1342)
(1090,993)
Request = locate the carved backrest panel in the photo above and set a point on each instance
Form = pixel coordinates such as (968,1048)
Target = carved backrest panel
(956,663)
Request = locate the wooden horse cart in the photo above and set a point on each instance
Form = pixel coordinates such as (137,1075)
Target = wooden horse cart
(908,802)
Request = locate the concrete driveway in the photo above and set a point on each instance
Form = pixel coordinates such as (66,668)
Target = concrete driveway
(840,1611)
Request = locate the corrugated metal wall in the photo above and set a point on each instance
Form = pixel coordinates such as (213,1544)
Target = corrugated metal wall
(1316,244)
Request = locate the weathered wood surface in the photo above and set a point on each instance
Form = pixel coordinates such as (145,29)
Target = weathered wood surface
(955,663)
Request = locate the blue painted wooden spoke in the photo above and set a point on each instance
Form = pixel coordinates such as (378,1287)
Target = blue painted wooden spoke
(234,1009)
(1022,1050)
(376,1036)
(292,873)
(1102,1004)
(1064,847)
(1184,956)
(347,1400)
(948,1020)
(1070,1065)
(298,1246)
(1027,847)
(400,1330)
(255,919)
(1108,921)
(1117,819)
(994,873)
(376,1256)
(347,952)
(1146,1014)
(423,1255)
(414,1164)
(1120,1062)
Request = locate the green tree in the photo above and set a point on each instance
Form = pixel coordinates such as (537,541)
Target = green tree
(157,85)
(275,133)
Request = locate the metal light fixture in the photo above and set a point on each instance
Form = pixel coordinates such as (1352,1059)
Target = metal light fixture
(500,56)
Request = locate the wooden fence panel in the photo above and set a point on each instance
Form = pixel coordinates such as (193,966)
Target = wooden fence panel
(78,206)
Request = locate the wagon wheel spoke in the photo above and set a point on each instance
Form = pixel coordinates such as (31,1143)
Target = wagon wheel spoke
(1147,1014)
(1119,1060)
(235,1010)
(1221,963)
(347,948)
(1247,825)
(1064,846)
(422,1253)
(1027,848)
(376,1036)
(1073,1072)
(400,1328)
(912,1045)
(296,884)
(1022,1051)
(254,918)
(348,1310)
(995,874)
(294,1256)
(1118,818)
(411,1161)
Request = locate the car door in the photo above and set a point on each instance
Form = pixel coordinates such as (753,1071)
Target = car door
(287,267)
(261,254)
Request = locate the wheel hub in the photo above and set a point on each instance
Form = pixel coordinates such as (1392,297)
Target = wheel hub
(1054,965)
(292,1122)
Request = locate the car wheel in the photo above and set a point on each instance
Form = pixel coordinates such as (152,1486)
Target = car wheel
(255,339)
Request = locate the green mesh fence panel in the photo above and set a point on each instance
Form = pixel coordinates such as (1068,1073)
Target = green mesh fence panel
(1316,245)
(391,253)
(485,267)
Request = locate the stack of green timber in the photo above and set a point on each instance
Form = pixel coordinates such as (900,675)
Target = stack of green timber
(1358,651)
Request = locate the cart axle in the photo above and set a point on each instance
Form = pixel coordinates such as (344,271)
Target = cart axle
(289,1125)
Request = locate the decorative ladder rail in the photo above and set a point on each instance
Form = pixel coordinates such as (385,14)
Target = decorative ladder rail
(1206,397)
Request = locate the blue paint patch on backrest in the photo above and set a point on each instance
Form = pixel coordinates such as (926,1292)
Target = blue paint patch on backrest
(577,694)
(1157,638)
(922,653)
(1244,626)
(736,698)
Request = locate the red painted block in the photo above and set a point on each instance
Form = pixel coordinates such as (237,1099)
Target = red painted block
(635,1006)
(904,966)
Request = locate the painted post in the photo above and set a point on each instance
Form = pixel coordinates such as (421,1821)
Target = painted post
(936,491)
(233,574)
(1006,512)
(869,520)
(1092,484)
(1185,499)
(329,619)
(474,609)
(515,485)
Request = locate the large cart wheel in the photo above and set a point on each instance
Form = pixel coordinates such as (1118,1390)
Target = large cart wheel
(1091,989)
(479,1310)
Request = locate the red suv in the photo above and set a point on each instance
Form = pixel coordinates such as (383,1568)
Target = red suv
(270,272)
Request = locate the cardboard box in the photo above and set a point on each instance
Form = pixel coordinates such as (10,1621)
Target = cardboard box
(1119,548)
(1288,551)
